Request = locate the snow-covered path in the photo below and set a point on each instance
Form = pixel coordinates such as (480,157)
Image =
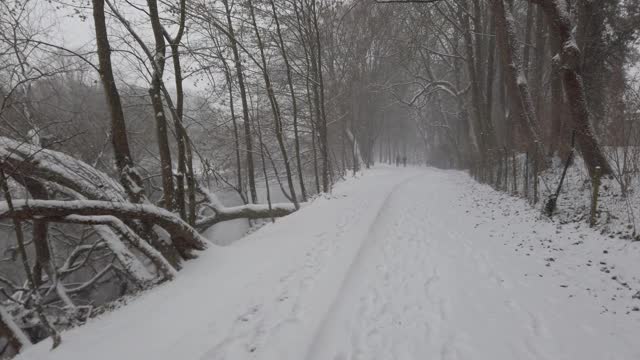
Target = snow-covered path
(399,264)
(428,284)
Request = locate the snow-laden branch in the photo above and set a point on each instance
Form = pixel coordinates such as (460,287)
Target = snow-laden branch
(79,180)
(25,159)
(14,334)
(250,211)
(183,235)
(431,87)
(70,265)
(123,230)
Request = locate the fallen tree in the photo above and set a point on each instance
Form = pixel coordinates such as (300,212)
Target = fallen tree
(23,159)
(97,194)
(249,211)
(54,210)
(131,238)
(92,197)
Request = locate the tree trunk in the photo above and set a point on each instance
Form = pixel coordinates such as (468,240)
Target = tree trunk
(311,92)
(155,92)
(129,178)
(275,108)
(482,129)
(527,41)
(186,204)
(559,128)
(294,102)
(490,73)
(573,84)
(245,106)
(538,67)
(591,27)
(515,79)
(321,115)
(236,136)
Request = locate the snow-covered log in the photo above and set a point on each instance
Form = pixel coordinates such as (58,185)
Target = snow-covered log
(28,160)
(75,178)
(250,211)
(184,236)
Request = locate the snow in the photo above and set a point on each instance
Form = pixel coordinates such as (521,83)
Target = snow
(127,259)
(396,264)
(521,79)
(63,169)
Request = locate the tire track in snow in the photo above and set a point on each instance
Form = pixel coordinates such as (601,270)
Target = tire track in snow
(281,311)
(372,301)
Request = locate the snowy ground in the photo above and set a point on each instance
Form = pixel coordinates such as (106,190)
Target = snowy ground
(398,264)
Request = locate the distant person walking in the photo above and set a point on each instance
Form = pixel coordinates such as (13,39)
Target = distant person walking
(404,161)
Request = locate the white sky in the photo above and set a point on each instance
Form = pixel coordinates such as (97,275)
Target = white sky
(67,30)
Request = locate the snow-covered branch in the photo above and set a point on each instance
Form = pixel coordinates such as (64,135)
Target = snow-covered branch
(28,160)
(250,211)
(134,239)
(184,236)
